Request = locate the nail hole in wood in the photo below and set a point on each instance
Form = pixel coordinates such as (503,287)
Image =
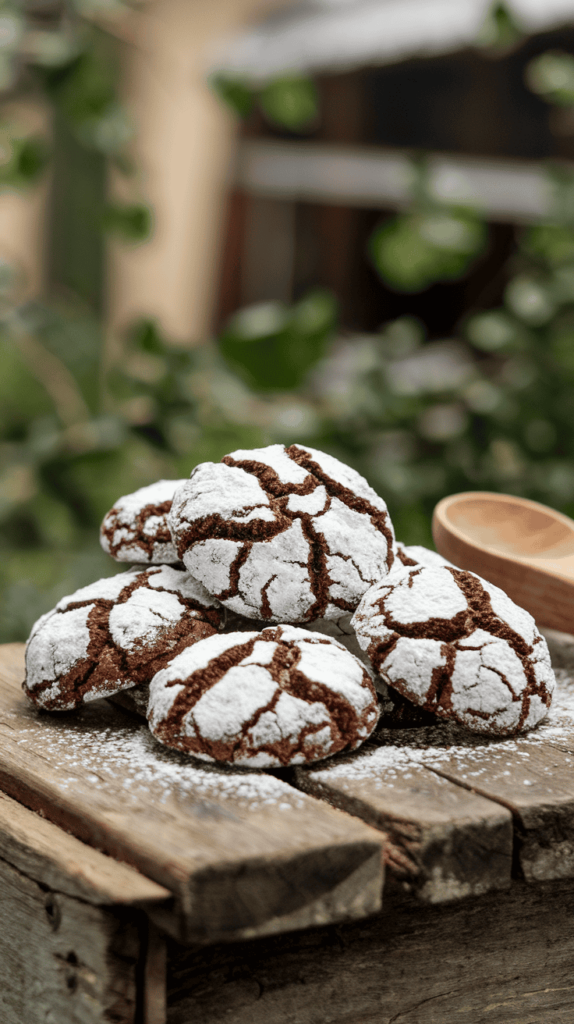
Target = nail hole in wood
(53,912)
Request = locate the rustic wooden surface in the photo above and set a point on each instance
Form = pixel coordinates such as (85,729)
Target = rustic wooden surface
(501,958)
(458,815)
(536,782)
(238,865)
(443,841)
(64,961)
(44,852)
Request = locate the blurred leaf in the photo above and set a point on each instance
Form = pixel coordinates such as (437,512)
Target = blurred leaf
(412,251)
(493,332)
(551,75)
(530,299)
(130,222)
(563,348)
(273,347)
(552,244)
(22,161)
(499,32)
(235,93)
(290,102)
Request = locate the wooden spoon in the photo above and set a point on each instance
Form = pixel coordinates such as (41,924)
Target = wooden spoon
(523,547)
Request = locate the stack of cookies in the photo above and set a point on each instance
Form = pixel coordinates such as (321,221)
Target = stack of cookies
(267,602)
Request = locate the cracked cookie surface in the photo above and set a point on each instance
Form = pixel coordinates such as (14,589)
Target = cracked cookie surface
(416,554)
(282,534)
(115,634)
(277,697)
(457,646)
(136,528)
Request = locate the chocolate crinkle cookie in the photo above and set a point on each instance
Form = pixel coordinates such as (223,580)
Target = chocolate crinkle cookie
(115,634)
(279,697)
(282,534)
(458,646)
(136,528)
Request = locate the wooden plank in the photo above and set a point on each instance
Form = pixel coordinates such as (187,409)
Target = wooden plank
(444,842)
(45,853)
(63,961)
(243,853)
(535,781)
(373,177)
(531,777)
(501,958)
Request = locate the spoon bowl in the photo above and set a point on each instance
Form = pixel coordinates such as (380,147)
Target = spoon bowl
(523,547)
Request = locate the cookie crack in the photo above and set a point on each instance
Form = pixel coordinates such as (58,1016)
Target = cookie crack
(335,489)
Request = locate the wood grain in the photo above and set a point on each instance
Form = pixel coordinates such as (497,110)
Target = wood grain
(535,781)
(45,853)
(243,853)
(502,958)
(444,842)
(523,547)
(63,961)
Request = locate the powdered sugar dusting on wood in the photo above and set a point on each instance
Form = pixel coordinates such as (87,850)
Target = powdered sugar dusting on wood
(433,746)
(126,751)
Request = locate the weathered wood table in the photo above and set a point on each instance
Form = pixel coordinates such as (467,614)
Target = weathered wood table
(427,879)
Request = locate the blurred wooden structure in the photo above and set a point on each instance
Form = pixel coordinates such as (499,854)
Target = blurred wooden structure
(288,212)
(396,80)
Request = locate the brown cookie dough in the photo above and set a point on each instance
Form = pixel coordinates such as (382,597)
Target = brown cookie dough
(136,528)
(115,634)
(276,698)
(282,534)
(457,646)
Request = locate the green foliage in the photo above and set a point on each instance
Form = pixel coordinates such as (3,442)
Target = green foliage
(235,93)
(499,31)
(551,75)
(290,101)
(22,160)
(274,347)
(413,250)
(73,438)
(132,222)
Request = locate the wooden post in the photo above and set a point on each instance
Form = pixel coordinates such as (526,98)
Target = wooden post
(23,212)
(184,147)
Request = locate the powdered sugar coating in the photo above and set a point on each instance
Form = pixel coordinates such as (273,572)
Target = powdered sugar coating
(458,646)
(115,634)
(136,528)
(416,554)
(279,697)
(282,534)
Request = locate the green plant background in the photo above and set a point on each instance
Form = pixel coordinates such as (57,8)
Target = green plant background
(491,409)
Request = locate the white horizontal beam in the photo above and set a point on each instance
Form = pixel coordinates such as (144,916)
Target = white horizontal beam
(355,33)
(504,190)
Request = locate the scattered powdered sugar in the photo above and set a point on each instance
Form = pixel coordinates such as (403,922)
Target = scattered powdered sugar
(410,748)
(129,753)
